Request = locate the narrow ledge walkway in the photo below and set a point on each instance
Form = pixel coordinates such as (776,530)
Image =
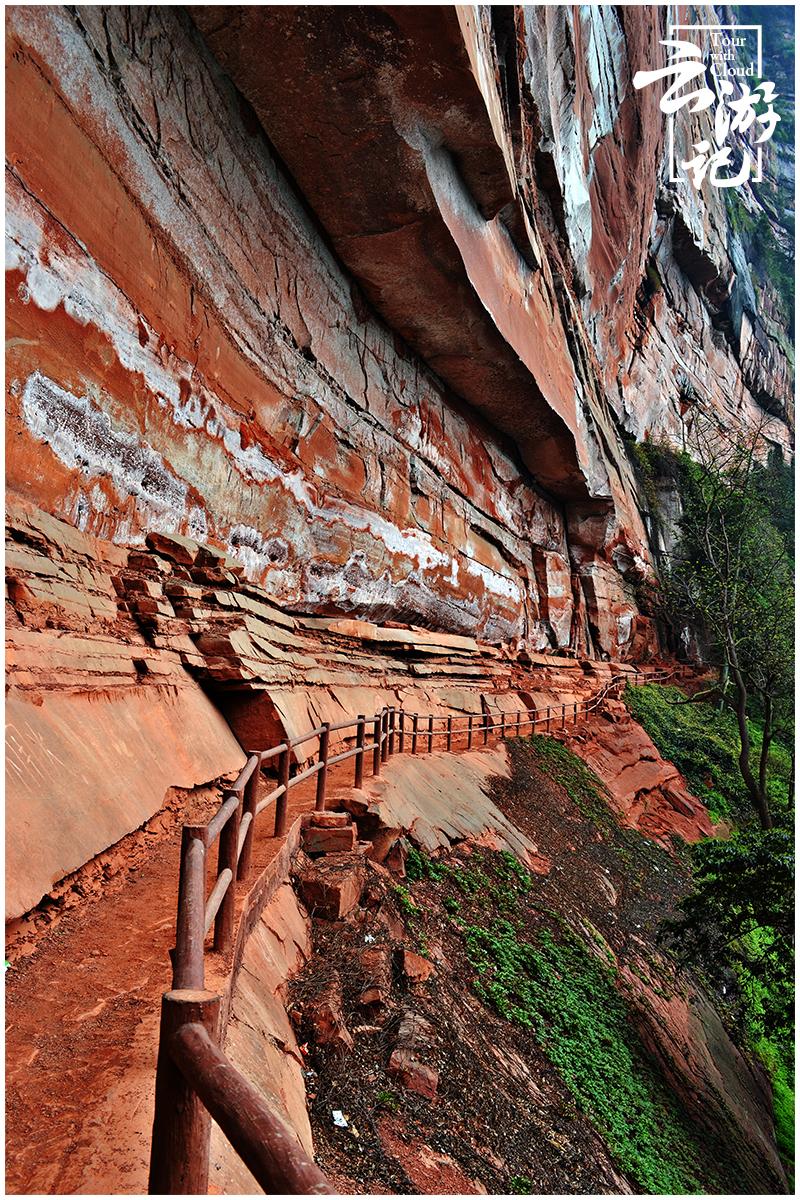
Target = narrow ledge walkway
(82,1010)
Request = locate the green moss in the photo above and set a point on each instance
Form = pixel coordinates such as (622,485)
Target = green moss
(704,744)
(387,1099)
(567,997)
(510,878)
(701,741)
(654,277)
(407,906)
(779,1064)
(582,785)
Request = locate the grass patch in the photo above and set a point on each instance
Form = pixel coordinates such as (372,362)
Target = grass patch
(580,783)
(567,997)
(704,745)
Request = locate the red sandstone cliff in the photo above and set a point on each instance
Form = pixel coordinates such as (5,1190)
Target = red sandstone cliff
(187,354)
(364,299)
(326,332)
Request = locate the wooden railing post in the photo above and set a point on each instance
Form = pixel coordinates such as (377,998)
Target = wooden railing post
(414,729)
(401,736)
(450,733)
(251,794)
(179,1153)
(384,735)
(322,773)
(266,1145)
(226,860)
(575,714)
(392,724)
(469,732)
(281,804)
(376,753)
(360,739)
(486,728)
(563,716)
(548,718)
(188,969)
(430,735)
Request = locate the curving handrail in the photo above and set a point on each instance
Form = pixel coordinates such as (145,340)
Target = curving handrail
(193,1076)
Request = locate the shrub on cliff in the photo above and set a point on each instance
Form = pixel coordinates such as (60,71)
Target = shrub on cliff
(730,579)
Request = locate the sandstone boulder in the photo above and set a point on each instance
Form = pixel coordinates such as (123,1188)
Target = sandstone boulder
(326,1015)
(331,887)
(416,969)
(407,1063)
(336,840)
(375,965)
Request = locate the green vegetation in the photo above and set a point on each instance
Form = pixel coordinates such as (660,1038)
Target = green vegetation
(773,483)
(510,879)
(407,906)
(565,992)
(567,997)
(558,762)
(730,580)
(520,1185)
(738,923)
(704,745)
(779,1061)
(387,1099)
(770,263)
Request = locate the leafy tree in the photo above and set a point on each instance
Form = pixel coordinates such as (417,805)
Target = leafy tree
(739,923)
(730,579)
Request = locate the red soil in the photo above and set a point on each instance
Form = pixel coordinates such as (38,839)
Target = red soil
(82,1006)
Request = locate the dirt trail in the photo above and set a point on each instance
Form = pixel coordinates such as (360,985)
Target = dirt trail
(82,1015)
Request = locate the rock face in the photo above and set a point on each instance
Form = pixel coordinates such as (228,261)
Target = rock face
(260,1039)
(647,792)
(122,666)
(425,425)
(101,721)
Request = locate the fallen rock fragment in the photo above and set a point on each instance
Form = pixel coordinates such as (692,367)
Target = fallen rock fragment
(330,820)
(331,887)
(327,1017)
(329,841)
(413,1074)
(376,968)
(395,860)
(382,843)
(415,1039)
(416,969)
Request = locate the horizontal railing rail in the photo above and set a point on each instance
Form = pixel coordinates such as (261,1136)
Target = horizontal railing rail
(194,1079)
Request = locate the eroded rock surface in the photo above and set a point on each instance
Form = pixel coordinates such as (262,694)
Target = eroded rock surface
(647,792)
(187,355)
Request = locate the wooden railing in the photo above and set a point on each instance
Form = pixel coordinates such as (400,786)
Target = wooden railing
(194,1079)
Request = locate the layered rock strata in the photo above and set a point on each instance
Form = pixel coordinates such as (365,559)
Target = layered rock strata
(133,671)
(161,379)
(320,406)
